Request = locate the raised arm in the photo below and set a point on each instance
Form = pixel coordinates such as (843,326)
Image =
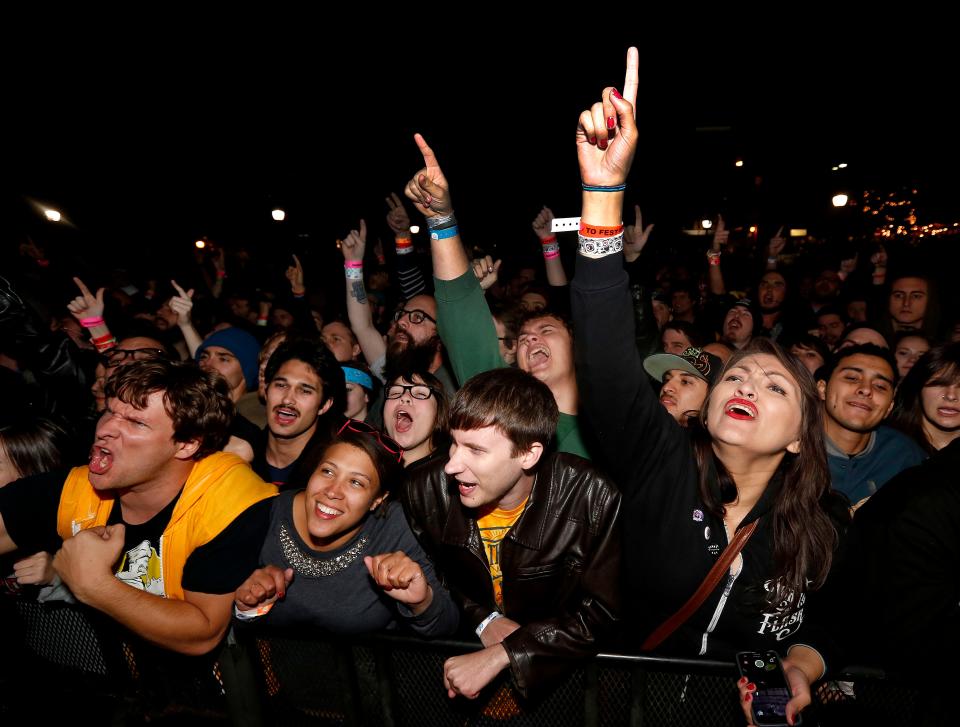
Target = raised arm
(542,224)
(463,316)
(182,304)
(87,308)
(614,390)
(714,272)
(358,310)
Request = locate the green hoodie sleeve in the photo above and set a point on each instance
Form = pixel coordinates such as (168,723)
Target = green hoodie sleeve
(466,326)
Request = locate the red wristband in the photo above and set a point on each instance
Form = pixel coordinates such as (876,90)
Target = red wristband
(588,230)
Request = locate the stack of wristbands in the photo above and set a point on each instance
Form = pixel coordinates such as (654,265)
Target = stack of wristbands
(443,226)
(595,241)
(551,248)
(353,269)
(101,343)
(404,244)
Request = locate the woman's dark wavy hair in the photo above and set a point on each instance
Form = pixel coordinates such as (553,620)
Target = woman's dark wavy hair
(389,470)
(804,538)
(35,445)
(940,363)
(440,437)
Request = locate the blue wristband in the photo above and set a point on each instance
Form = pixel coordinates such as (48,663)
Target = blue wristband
(444,233)
(597,188)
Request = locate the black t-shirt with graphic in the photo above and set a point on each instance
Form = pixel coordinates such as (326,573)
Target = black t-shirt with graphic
(29,511)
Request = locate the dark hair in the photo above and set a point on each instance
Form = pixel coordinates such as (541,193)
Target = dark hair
(513,401)
(441,432)
(315,354)
(197,402)
(865,349)
(831,310)
(34,445)
(389,470)
(526,317)
(804,537)
(815,343)
(687,329)
(940,362)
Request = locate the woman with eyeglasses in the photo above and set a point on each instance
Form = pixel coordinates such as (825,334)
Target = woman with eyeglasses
(340,556)
(415,414)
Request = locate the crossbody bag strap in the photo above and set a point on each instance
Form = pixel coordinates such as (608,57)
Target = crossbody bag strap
(709,584)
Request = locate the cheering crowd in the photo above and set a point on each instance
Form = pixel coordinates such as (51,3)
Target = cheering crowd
(752,449)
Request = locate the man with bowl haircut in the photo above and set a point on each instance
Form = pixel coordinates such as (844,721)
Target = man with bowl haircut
(526,539)
(160,528)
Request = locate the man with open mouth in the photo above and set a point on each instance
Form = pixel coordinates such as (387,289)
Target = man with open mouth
(526,538)
(160,528)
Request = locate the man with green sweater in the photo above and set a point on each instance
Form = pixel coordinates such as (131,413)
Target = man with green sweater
(545,342)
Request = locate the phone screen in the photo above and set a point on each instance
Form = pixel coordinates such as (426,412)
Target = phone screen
(770,700)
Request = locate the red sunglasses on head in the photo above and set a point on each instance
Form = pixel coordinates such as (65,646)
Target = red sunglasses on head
(391,445)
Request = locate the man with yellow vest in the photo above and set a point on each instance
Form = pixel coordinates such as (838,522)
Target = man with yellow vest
(160,528)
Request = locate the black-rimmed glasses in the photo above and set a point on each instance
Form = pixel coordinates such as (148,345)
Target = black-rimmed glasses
(417,391)
(416,316)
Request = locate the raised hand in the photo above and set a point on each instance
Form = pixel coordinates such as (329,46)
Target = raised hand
(294,274)
(86,305)
(429,190)
(181,304)
(607,132)
(635,236)
(777,243)
(486,271)
(264,586)
(720,235)
(355,244)
(401,578)
(397,217)
(543,222)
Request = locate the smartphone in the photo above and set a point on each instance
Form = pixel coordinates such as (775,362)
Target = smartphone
(769,705)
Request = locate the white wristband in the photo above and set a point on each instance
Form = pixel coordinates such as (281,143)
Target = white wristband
(486,622)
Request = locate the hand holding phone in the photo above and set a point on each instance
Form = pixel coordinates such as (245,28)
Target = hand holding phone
(768,706)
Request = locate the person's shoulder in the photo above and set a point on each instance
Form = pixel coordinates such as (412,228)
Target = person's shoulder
(425,482)
(571,478)
(895,442)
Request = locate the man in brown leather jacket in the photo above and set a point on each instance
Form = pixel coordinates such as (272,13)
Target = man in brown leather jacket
(527,541)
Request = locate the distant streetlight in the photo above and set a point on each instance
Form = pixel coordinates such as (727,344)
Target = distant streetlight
(200,244)
(414,229)
(52,215)
(279,215)
(753,229)
(706,224)
(842,165)
(738,163)
(840,200)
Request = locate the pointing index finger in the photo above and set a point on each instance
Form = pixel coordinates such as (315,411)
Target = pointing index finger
(429,158)
(631,80)
(180,291)
(779,232)
(84,290)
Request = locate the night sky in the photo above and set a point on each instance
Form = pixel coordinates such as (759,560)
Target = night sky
(147,144)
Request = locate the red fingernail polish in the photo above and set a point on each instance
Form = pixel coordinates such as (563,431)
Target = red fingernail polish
(748,698)
(602,144)
(616,93)
(593,140)
(743,680)
(751,687)
(281,594)
(611,122)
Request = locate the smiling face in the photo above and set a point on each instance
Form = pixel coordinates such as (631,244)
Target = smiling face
(545,349)
(908,351)
(908,301)
(756,407)
(135,446)
(343,490)
(682,394)
(486,469)
(410,421)
(859,393)
(295,401)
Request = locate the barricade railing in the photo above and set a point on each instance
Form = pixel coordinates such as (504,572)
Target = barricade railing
(69,658)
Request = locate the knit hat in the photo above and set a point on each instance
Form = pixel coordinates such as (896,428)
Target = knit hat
(242,345)
(694,361)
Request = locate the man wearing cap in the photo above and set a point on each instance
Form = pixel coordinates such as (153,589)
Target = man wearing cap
(232,353)
(740,323)
(686,380)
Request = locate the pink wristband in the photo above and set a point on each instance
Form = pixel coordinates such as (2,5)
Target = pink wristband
(92,322)
(353,263)
(550,255)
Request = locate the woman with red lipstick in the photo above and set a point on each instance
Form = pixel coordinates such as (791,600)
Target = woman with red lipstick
(753,459)
(340,556)
(928,399)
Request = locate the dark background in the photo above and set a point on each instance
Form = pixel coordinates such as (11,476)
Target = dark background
(149,138)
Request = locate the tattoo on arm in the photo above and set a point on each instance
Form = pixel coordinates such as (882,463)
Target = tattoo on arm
(358,292)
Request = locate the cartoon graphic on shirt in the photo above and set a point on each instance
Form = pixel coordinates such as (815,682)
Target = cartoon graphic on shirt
(142,568)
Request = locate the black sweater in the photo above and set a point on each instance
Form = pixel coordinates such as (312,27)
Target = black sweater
(670,539)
